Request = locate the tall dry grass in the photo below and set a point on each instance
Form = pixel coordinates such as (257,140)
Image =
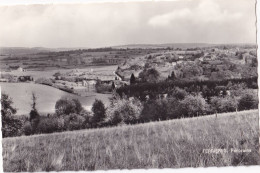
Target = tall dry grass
(167,144)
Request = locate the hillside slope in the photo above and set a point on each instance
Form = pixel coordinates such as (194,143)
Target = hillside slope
(173,143)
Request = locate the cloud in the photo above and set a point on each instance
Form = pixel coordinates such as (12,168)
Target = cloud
(206,11)
(166,19)
(106,24)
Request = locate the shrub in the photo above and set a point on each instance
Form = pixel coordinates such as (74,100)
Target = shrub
(74,122)
(103,88)
(194,105)
(27,129)
(11,126)
(48,125)
(248,101)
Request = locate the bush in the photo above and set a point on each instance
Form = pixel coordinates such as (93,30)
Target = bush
(12,126)
(194,106)
(49,125)
(27,129)
(67,106)
(103,88)
(248,101)
(178,93)
(74,122)
(124,111)
(87,118)
(154,110)
(226,104)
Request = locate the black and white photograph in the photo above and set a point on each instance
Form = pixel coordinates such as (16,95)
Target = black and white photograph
(112,85)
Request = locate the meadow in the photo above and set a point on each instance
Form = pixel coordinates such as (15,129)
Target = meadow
(21,94)
(165,144)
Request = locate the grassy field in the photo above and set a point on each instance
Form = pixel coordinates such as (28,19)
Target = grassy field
(21,93)
(167,144)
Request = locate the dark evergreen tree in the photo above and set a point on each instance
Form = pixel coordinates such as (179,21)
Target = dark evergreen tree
(113,86)
(132,79)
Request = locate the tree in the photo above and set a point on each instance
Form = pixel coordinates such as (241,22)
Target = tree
(57,75)
(189,70)
(6,104)
(132,79)
(113,86)
(248,101)
(173,108)
(172,76)
(34,115)
(78,106)
(178,93)
(124,111)
(154,110)
(194,105)
(149,75)
(11,126)
(67,106)
(99,112)
(34,99)
(226,104)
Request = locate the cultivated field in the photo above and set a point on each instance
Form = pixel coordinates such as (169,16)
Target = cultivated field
(96,70)
(21,94)
(174,143)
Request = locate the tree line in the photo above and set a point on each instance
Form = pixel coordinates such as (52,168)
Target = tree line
(208,88)
(70,115)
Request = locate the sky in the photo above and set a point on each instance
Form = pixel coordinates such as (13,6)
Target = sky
(118,23)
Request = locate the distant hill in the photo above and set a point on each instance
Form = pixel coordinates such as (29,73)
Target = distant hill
(172,45)
(35,50)
(32,50)
(175,45)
